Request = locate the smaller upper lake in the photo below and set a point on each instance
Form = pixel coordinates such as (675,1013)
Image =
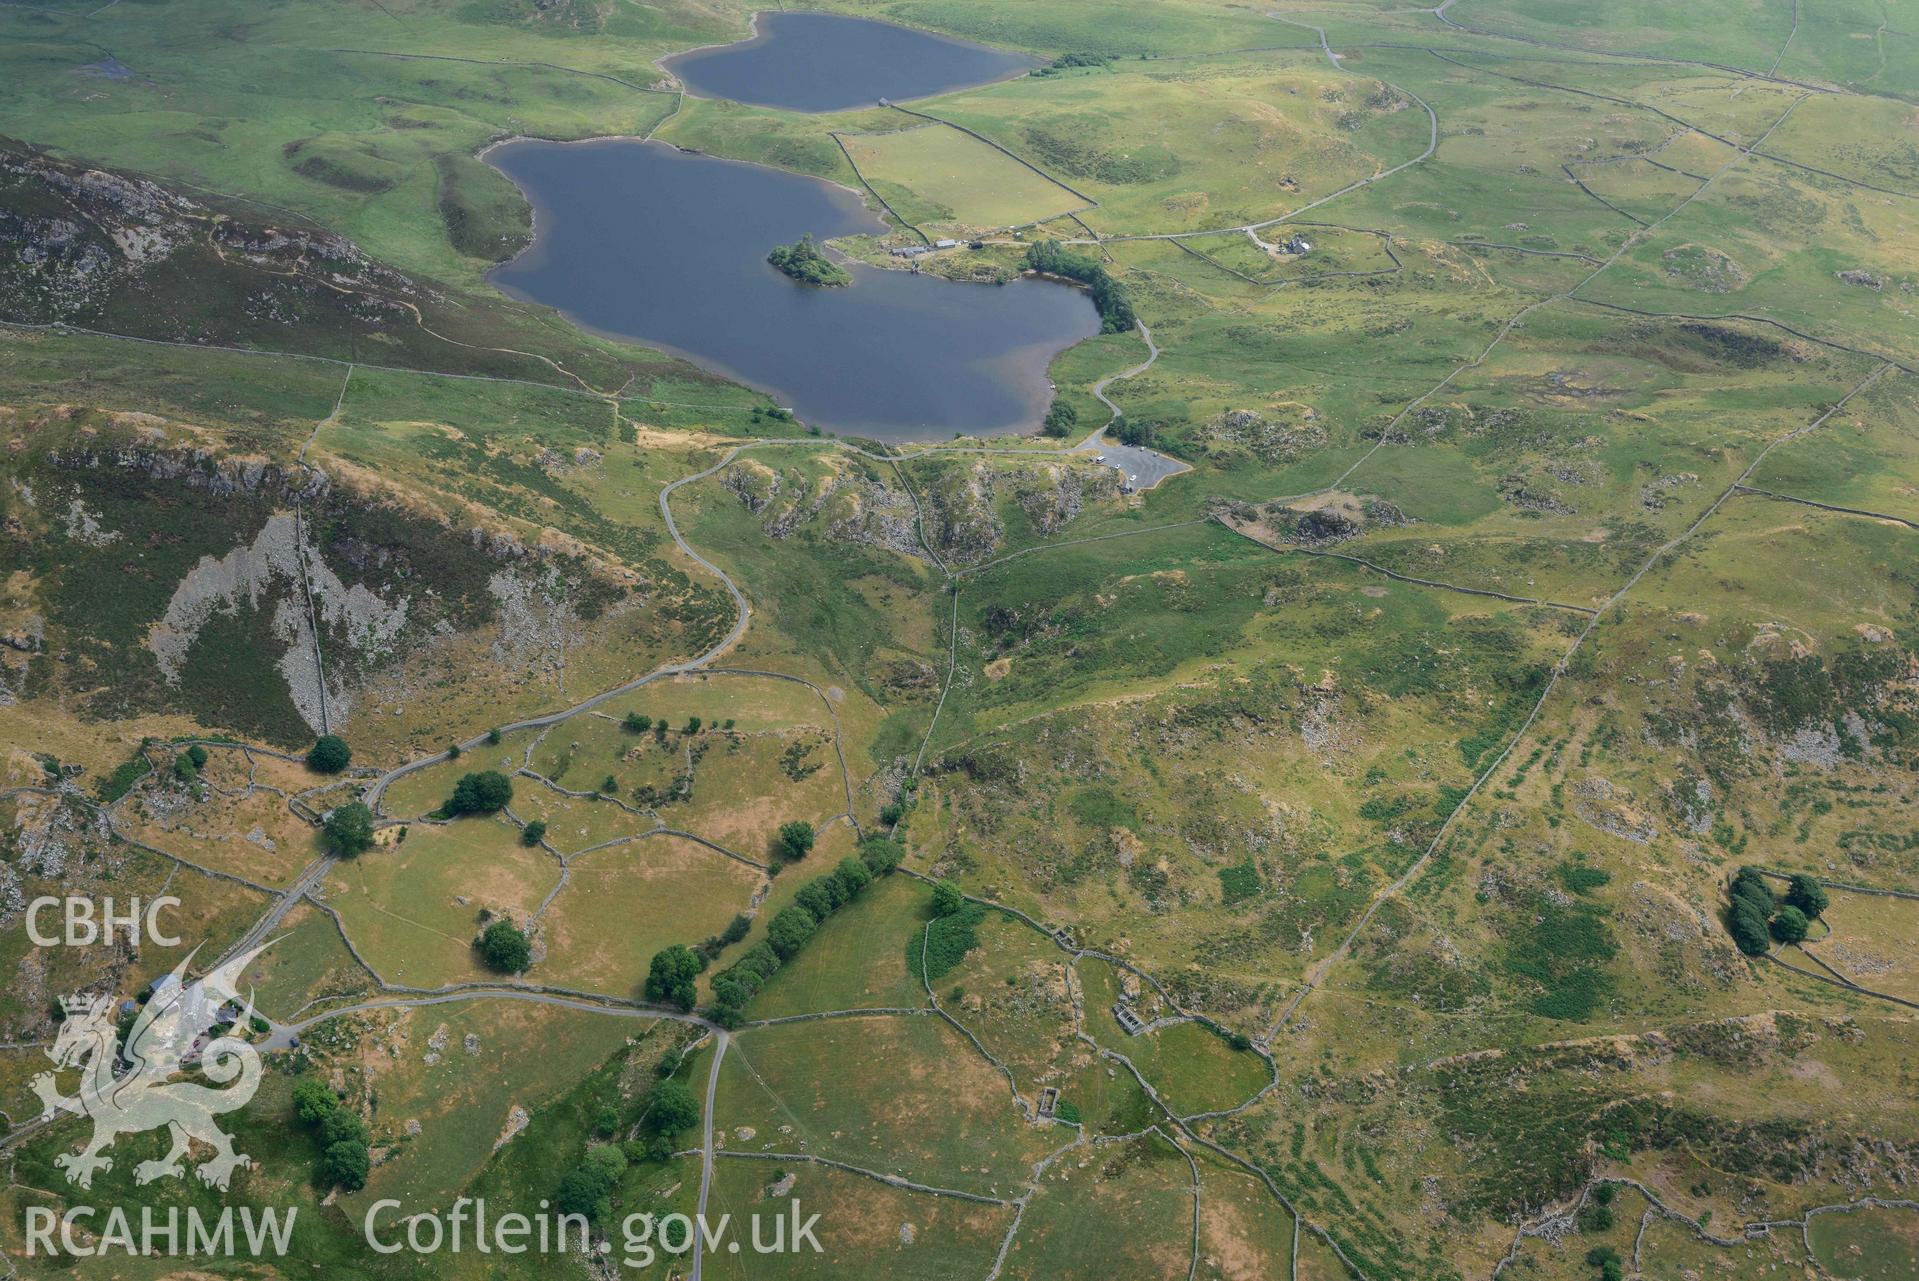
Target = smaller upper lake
(826,62)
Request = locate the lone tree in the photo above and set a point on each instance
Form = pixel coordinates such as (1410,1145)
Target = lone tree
(1808,895)
(504,947)
(672,974)
(349,829)
(795,840)
(484,793)
(533,833)
(947,899)
(329,754)
(1790,925)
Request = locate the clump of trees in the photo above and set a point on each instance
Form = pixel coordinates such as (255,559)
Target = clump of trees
(1755,917)
(329,754)
(1067,61)
(1060,418)
(588,1187)
(671,1109)
(803,261)
(188,764)
(504,947)
(348,829)
(1789,925)
(1115,307)
(1808,895)
(486,792)
(340,1133)
(671,977)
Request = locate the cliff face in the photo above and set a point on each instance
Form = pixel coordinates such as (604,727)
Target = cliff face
(254,595)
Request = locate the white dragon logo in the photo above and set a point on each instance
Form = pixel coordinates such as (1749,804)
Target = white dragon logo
(130,1090)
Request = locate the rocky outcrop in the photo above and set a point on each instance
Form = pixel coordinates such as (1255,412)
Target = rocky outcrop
(221,477)
(1052,495)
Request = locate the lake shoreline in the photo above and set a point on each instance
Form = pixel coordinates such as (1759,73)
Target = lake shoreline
(625,248)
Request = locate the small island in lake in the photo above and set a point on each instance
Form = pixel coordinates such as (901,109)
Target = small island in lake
(803,261)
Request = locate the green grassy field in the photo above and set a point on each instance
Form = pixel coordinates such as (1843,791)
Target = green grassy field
(938,175)
(416,907)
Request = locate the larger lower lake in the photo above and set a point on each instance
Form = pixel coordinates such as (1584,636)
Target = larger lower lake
(827,62)
(639,240)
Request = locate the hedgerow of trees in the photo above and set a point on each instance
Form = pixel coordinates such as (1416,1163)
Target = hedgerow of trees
(1115,307)
(794,924)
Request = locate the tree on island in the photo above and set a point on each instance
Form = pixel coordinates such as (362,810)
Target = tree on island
(803,261)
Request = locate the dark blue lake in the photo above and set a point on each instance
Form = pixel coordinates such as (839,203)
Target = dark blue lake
(639,240)
(827,62)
